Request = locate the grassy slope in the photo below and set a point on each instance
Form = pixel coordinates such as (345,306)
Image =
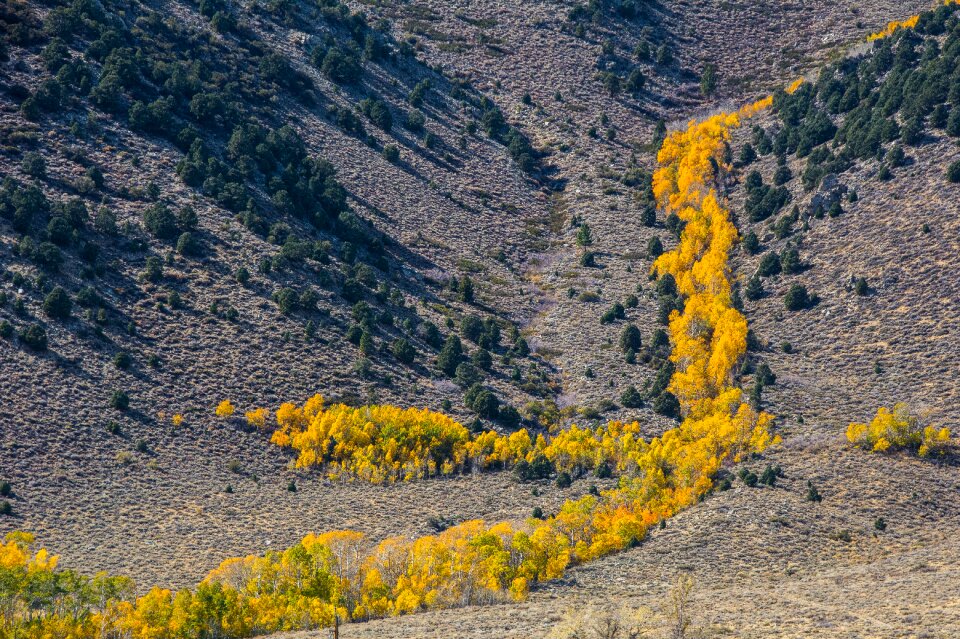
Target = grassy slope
(768,562)
(176,523)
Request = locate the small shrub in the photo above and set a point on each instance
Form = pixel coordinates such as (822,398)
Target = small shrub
(631,397)
(34,165)
(119,400)
(614,313)
(541,467)
(482,402)
(415,121)
(764,376)
(953,172)
(769,265)
(521,471)
(286,300)
(509,416)
(308,299)
(187,219)
(797,298)
(584,235)
(564,480)
(57,304)
(5,489)
(160,221)
(153,269)
(35,337)
(790,261)
(654,247)
(754,289)
(363,368)
(861,287)
(630,338)
(450,355)
(403,350)
(667,404)
(782,175)
(391,153)
(770,475)
(465,290)
(841,535)
(520,347)
(648,217)
(466,375)
(471,327)
(188,245)
(812,493)
(439,523)
(87,297)
(482,359)
(122,360)
(708,80)
(5,508)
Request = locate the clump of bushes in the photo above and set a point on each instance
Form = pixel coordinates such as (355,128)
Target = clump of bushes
(899,429)
(35,337)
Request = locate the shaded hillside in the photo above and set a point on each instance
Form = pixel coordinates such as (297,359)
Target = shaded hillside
(273,227)
(174,236)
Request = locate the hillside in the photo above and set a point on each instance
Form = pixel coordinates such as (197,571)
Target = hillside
(261,202)
(193,332)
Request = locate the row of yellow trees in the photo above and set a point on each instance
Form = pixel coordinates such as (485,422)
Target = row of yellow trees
(386,443)
(909,23)
(893,26)
(342,573)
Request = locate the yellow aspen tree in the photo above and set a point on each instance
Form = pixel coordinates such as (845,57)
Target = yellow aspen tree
(224,409)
